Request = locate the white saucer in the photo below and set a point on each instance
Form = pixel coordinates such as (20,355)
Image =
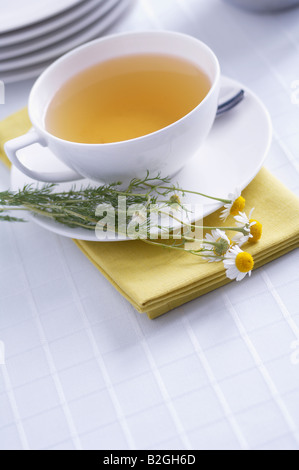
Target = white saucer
(17,14)
(231,157)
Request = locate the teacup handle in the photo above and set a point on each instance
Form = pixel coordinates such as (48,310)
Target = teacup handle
(11,148)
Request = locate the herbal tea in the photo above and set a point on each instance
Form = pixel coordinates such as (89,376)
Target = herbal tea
(125,98)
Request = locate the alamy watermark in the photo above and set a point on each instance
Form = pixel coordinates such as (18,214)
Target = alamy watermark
(2,93)
(152,222)
(295,354)
(2,353)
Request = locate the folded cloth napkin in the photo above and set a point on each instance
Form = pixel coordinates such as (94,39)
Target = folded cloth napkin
(156,280)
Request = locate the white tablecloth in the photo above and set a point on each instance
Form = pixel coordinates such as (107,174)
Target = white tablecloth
(84,370)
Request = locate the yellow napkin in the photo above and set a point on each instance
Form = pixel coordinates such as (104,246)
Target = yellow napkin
(155,280)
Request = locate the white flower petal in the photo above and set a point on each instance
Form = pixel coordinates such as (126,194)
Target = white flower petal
(250,213)
(232,273)
(241,276)
(220,234)
(241,239)
(225,213)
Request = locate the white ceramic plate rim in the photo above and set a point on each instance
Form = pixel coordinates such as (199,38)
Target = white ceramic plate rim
(83,234)
(31,11)
(14,38)
(51,40)
(63,46)
(31,71)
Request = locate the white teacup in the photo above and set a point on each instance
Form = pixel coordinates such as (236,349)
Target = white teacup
(165,151)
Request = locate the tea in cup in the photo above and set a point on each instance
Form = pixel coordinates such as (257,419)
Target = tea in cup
(122,106)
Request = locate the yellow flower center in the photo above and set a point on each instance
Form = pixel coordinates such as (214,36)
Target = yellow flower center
(256,231)
(244,262)
(175,199)
(238,206)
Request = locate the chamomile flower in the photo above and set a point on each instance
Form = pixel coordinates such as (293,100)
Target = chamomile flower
(256,230)
(215,245)
(238,264)
(236,205)
(175,203)
(175,199)
(253,228)
(242,219)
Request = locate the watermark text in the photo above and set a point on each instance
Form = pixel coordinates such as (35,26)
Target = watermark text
(149,222)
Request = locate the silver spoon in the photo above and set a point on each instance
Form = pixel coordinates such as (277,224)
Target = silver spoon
(228,100)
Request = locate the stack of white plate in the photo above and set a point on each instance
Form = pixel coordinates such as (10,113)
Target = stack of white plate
(33,33)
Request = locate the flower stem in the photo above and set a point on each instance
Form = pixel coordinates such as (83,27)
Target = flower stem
(203,227)
(224,201)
